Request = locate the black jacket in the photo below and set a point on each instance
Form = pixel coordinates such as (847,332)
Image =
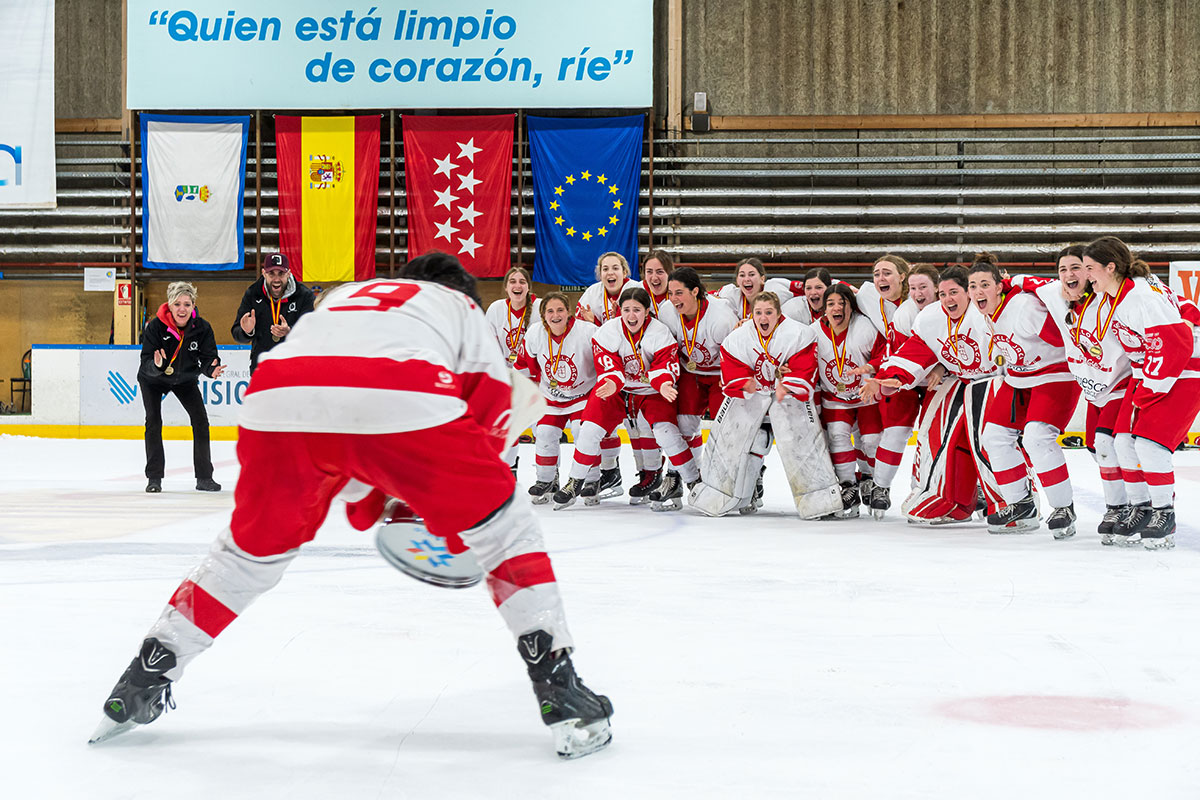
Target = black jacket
(195,357)
(297,301)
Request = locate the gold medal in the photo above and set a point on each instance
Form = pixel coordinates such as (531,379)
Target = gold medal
(553,384)
(512,359)
(275,338)
(841,387)
(690,366)
(169,370)
(1096,350)
(999,361)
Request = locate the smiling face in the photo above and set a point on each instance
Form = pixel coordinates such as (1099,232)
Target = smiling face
(749,280)
(1072,276)
(556,315)
(656,276)
(888,280)
(954,298)
(984,291)
(921,290)
(685,300)
(612,274)
(633,314)
(814,291)
(836,312)
(1102,276)
(766,317)
(517,289)
(181,309)
(276,281)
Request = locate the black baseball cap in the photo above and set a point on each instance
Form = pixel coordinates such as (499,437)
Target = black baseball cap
(276,261)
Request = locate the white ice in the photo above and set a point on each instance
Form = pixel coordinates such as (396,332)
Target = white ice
(746,657)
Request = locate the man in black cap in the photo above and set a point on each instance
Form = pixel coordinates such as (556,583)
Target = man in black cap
(270,307)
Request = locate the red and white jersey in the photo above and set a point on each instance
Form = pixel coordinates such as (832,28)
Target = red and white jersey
(1026,343)
(958,345)
(744,356)
(384,356)
(562,366)
(740,304)
(798,309)
(1099,364)
(1148,324)
(604,306)
(511,325)
(700,338)
(839,354)
(894,321)
(640,366)
(660,303)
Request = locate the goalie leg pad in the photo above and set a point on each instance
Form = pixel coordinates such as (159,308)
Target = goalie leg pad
(727,470)
(805,457)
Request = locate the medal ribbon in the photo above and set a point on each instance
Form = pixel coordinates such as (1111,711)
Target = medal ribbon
(1112,310)
(745,306)
(554,359)
(179,335)
(994,315)
(1079,320)
(887,326)
(766,343)
(952,335)
(688,347)
(508,315)
(839,360)
(634,345)
(276,306)
(616,309)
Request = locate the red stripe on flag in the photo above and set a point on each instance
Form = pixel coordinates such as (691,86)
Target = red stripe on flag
(290,172)
(519,572)
(202,609)
(366,194)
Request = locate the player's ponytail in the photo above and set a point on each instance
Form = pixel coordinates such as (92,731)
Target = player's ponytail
(1111,250)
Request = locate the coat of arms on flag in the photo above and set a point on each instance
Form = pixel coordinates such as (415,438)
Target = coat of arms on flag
(586,182)
(458,180)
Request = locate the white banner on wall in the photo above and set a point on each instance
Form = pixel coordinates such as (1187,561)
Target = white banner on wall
(390,54)
(1185,279)
(27,177)
(109,393)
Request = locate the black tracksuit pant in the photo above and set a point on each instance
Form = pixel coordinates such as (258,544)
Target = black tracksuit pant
(193,403)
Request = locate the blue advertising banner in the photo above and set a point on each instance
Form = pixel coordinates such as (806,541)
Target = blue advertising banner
(314,54)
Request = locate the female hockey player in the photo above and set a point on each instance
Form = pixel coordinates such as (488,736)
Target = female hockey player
(703,325)
(601,301)
(380,377)
(749,280)
(846,339)
(953,333)
(922,284)
(510,316)
(1164,397)
(1033,399)
(656,271)
(637,365)
(1100,368)
(557,354)
(808,306)
(768,365)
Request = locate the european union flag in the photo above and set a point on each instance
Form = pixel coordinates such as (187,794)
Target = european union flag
(586,176)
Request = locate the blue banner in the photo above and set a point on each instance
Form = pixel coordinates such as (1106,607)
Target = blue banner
(586,176)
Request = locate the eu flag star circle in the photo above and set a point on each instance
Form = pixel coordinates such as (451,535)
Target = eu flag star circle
(575,186)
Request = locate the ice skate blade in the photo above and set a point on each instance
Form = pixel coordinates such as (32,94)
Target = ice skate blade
(1020,526)
(574,739)
(1107,539)
(567,504)
(1163,543)
(107,729)
(612,491)
(591,501)
(540,499)
(878,513)
(1064,533)
(1132,540)
(674,504)
(750,509)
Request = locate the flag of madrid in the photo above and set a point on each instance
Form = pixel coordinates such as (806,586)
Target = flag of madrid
(458,178)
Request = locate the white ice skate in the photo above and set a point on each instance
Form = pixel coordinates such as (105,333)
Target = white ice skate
(573,738)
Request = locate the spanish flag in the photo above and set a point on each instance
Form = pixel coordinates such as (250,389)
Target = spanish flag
(328,195)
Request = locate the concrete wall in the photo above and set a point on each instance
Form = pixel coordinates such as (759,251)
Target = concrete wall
(87,58)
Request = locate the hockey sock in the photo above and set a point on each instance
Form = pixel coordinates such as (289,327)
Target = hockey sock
(1041,443)
(1131,470)
(1008,464)
(667,435)
(587,450)
(889,452)
(546,445)
(1110,472)
(1158,470)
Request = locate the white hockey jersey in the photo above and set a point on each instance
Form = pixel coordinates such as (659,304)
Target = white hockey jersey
(700,338)
(798,309)
(740,304)
(894,322)
(638,367)
(1025,343)
(384,356)
(562,366)
(837,356)
(743,357)
(1161,346)
(958,345)
(604,306)
(511,325)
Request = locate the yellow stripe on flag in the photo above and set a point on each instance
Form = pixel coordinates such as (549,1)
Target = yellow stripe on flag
(327,198)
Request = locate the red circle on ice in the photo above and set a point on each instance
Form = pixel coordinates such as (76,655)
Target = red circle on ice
(1060,712)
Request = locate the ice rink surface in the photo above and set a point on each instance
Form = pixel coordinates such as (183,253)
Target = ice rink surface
(745,657)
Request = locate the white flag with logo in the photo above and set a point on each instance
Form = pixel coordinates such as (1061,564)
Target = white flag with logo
(27,177)
(193,181)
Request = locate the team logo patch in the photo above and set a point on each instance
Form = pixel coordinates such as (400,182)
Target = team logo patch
(1090,347)
(849,382)
(701,355)
(962,351)
(1013,355)
(324,172)
(564,372)
(193,192)
(760,369)
(1128,338)
(633,368)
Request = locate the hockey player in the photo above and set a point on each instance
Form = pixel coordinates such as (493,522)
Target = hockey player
(768,364)
(601,301)
(808,305)
(558,355)
(922,284)
(749,280)
(1033,399)
(1100,367)
(884,301)
(1164,397)
(656,271)
(953,333)
(509,318)
(703,325)
(637,365)
(382,374)
(846,339)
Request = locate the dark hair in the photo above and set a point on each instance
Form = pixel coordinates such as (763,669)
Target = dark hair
(663,257)
(928,270)
(987,262)
(1070,250)
(956,273)
(1110,249)
(754,262)
(637,294)
(562,298)
(767,297)
(821,274)
(842,291)
(690,279)
(444,269)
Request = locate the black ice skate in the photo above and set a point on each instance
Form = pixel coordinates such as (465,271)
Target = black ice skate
(565,497)
(980,503)
(866,490)
(610,484)
(1108,523)
(540,492)
(141,695)
(648,481)
(1127,530)
(590,493)
(756,499)
(669,495)
(850,501)
(1158,530)
(1018,517)
(1062,522)
(577,716)
(881,501)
